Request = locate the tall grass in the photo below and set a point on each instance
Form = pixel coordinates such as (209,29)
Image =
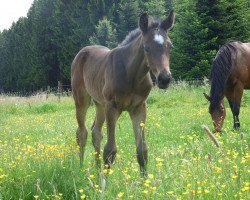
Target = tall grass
(39,156)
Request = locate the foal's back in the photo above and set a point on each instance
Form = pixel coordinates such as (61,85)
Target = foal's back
(88,71)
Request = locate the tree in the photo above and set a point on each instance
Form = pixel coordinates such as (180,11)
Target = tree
(222,20)
(104,34)
(46,71)
(156,8)
(37,51)
(244,14)
(188,59)
(73,30)
(169,4)
(129,12)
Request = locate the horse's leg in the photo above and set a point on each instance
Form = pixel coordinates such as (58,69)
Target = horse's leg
(234,96)
(97,132)
(138,117)
(112,114)
(82,101)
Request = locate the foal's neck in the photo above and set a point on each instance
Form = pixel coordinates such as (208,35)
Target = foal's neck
(136,66)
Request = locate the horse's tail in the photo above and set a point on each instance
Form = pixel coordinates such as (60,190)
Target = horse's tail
(77,69)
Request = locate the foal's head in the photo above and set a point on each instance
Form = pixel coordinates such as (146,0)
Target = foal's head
(157,46)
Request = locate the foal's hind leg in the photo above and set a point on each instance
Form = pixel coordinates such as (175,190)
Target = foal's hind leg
(138,117)
(82,101)
(234,96)
(97,132)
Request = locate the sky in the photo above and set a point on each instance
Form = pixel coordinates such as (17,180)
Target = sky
(11,10)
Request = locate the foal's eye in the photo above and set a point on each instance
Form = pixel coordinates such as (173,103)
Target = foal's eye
(146,49)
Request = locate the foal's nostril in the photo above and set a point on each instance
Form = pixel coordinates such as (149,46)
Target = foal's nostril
(163,80)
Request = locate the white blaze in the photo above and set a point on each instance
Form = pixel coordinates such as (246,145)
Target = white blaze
(159,39)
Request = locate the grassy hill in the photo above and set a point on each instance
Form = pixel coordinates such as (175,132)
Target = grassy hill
(39,156)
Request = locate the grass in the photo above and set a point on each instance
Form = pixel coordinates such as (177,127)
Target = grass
(39,156)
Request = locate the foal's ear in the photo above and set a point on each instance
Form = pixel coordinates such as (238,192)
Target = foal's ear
(207,97)
(143,23)
(168,23)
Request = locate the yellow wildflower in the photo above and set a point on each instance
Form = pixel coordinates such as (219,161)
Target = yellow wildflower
(153,188)
(159,159)
(81,190)
(91,176)
(159,164)
(142,124)
(234,176)
(2,176)
(206,191)
(120,194)
(150,176)
(145,191)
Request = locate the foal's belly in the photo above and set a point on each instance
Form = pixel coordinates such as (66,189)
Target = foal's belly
(247,83)
(247,86)
(131,101)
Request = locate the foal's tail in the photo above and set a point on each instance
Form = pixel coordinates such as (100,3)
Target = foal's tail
(77,69)
(78,61)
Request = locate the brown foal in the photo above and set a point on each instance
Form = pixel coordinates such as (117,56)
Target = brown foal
(118,80)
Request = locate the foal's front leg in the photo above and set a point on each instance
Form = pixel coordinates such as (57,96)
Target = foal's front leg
(112,114)
(138,117)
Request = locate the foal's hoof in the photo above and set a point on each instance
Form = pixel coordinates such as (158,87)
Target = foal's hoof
(109,156)
(109,160)
(144,173)
(236,125)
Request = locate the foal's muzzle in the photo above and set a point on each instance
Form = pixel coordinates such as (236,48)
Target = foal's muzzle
(163,79)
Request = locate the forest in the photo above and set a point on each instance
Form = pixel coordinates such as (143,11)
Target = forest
(37,50)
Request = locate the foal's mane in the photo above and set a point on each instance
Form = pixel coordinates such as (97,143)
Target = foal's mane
(221,70)
(130,37)
(136,32)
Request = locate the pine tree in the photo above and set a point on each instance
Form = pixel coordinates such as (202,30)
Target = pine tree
(188,59)
(47,71)
(73,28)
(129,13)
(104,34)
(222,20)
(169,4)
(156,8)
(37,51)
(243,16)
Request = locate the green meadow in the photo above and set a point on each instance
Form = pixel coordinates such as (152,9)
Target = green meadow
(39,155)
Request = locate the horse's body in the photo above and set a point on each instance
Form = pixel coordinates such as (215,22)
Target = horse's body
(105,82)
(118,80)
(230,75)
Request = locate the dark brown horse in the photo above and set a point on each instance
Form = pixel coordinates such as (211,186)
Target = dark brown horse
(118,80)
(230,75)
